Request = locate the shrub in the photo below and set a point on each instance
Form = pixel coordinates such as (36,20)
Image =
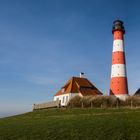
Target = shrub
(93,101)
(99,101)
(75,102)
(85,102)
(133,101)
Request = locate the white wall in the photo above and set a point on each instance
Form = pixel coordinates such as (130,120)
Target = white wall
(65,98)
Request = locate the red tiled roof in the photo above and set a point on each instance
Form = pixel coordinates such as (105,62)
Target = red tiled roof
(79,85)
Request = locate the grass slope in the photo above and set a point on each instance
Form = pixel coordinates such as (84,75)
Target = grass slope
(74,124)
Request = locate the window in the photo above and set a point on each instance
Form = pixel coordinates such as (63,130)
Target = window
(63,99)
(62,90)
(66,99)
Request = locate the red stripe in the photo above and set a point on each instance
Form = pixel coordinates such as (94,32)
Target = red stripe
(118,85)
(118,35)
(118,57)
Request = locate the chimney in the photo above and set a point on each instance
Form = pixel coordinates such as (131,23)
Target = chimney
(82,75)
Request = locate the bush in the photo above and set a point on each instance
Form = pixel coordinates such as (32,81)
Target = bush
(93,101)
(75,102)
(133,101)
(99,101)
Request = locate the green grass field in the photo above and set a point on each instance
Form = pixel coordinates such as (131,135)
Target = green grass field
(73,124)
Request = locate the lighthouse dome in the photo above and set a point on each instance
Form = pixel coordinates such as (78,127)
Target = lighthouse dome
(118,25)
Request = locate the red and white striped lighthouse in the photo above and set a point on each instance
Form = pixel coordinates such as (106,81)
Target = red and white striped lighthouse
(118,83)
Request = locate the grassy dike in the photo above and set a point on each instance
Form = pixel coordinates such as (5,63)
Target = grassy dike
(73,124)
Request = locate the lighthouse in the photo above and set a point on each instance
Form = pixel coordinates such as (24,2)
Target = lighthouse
(118,82)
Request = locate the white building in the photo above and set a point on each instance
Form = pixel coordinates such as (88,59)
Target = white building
(76,86)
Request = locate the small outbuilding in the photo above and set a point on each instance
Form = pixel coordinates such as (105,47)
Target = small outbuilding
(80,86)
(137,93)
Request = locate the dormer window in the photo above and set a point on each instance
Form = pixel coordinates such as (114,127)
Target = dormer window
(62,90)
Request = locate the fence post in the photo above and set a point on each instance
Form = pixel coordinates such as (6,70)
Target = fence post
(91,105)
(131,104)
(117,104)
(71,105)
(101,105)
(82,105)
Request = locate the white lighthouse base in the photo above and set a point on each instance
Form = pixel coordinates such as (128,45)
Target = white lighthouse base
(122,97)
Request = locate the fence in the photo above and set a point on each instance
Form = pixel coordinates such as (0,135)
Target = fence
(52,104)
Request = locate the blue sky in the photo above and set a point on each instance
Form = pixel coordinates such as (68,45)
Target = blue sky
(45,42)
